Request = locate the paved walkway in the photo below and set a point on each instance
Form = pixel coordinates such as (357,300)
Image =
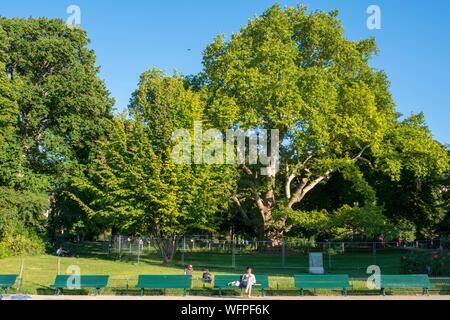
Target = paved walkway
(153,298)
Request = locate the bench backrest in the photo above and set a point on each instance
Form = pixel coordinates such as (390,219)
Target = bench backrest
(7,280)
(405,281)
(86,281)
(321,281)
(164,281)
(221,281)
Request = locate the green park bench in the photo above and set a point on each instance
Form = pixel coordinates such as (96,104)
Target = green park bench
(221,282)
(96,282)
(7,281)
(409,281)
(164,282)
(328,281)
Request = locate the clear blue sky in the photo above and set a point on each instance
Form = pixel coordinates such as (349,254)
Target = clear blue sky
(132,36)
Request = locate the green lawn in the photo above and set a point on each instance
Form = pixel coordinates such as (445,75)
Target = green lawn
(354,264)
(39,271)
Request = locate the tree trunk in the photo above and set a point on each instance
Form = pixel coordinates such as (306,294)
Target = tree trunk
(167,248)
(273,230)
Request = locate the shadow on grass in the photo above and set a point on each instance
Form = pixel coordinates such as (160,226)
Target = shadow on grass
(354,263)
(73,292)
(137,292)
(96,250)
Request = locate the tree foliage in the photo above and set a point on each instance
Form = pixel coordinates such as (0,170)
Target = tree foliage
(138,188)
(53,109)
(351,167)
(296,72)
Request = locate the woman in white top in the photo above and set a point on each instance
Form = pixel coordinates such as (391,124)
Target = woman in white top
(248,280)
(189,270)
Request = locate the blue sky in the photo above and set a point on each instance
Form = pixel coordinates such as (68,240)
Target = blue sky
(132,36)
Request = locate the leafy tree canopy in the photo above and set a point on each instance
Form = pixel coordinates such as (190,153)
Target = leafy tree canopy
(53,108)
(296,72)
(137,187)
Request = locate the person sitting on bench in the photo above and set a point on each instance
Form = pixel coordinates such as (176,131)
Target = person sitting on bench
(189,270)
(206,277)
(248,280)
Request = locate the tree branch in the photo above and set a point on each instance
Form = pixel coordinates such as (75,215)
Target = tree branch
(291,176)
(287,186)
(296,197)
(246,170)
(306,187)
(358,157)
(238,202)
(366,161)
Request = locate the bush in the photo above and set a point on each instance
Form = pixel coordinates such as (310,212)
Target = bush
(21,245)
(4,252)
(431,263)
(21,222)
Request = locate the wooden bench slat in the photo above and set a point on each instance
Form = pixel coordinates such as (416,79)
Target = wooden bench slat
(7,280)
(322,281)
(86,281)
(150,281)
(329,281)
(164,282)
(405,281)
(417,280)
(221,281)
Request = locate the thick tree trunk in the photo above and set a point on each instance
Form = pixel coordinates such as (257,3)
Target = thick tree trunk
(167,248)
(273,230)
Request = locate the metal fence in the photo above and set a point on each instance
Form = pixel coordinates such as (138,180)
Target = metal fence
(237,254)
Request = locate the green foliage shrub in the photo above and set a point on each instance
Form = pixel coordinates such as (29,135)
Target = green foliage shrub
(355,222)
(21,222)
(21,244)
(432,263)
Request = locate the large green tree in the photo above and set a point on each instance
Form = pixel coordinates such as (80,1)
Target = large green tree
(296,72)
(138,189)
(63,105)
(21,203)
(9,112)
(57,107)
(420,201)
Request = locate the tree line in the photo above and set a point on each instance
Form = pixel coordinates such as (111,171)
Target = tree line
(350,166)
